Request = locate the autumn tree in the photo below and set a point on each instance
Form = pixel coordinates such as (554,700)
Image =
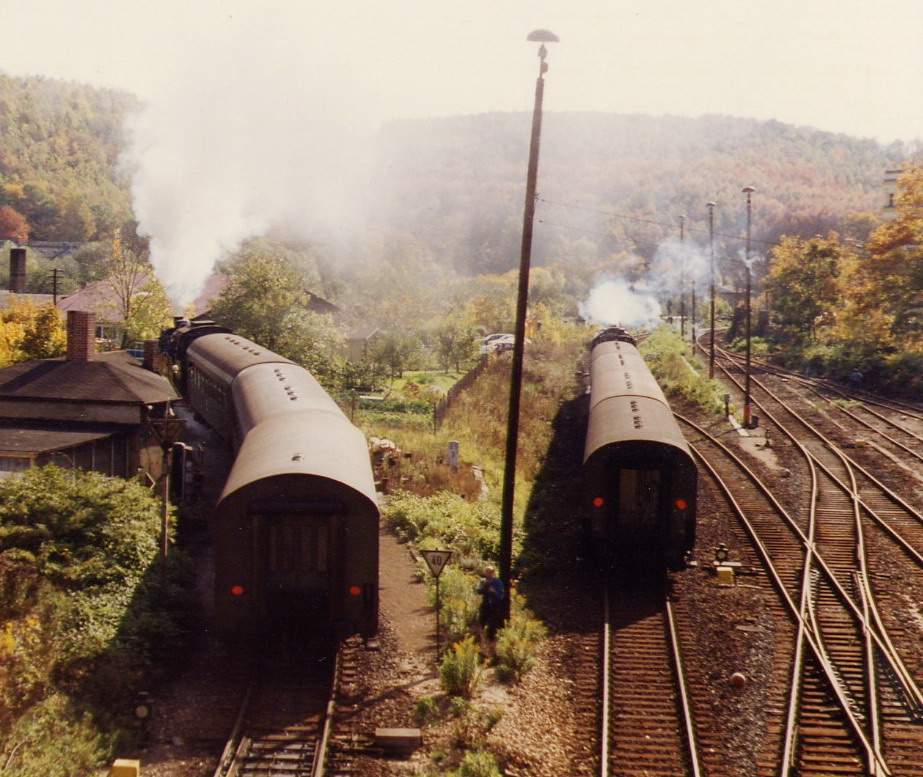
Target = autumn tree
(394,352)
(452,342)
(885,290)
(28,331)
(139,301)
(46,336)
(13,225)
(803,283)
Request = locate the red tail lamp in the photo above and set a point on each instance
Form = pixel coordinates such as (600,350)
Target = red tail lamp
(237,590)
(355,590)
(598,502)
(681,504)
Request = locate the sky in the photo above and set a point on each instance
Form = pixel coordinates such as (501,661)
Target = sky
(842,65)
(256,110)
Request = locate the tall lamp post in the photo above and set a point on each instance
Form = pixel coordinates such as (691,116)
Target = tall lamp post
(682,277)
(748,190)
(512,431)
(711,312)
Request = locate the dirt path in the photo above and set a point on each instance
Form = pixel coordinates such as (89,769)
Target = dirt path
(404,603)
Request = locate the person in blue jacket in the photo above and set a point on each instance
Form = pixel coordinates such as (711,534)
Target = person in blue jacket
(492,592)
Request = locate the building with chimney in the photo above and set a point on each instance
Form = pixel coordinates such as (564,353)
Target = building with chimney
(104,412)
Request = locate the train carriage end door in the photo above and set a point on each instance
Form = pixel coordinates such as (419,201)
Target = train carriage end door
(638,500)
(298,564)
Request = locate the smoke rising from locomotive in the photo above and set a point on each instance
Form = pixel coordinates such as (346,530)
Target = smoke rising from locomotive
(675,265)
(248,134)
(615,301)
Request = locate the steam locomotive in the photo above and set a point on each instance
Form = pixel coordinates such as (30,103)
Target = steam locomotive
(639,474)
(295,529)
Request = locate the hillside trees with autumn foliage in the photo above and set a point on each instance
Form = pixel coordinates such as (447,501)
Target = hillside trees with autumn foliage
(59,157)
(839,305)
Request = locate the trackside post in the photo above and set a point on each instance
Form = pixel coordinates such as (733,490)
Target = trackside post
(436,561)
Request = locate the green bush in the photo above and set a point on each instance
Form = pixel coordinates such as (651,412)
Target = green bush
(469,529)
(461,669)
(425,710)
(82,603)
(516,644)
(679,373)
(458,603)
(478,763)
(53,740)
(472,723)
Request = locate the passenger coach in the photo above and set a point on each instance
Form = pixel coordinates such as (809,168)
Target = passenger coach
(295,529)
(639,473)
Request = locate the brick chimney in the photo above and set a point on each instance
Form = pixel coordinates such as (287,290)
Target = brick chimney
(151,349)
(18,270)
(81,335)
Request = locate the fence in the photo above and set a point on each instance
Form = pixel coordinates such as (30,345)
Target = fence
(463,383)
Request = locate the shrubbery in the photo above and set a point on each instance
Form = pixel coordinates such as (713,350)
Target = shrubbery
(678,371)
(83,609)
(461,668)
(447,520)
(516,643)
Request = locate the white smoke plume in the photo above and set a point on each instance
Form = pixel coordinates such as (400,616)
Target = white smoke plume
(255,128)
(614,301)
(677,267)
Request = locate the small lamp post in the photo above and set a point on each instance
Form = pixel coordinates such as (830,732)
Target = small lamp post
(167,431)
(748,190)
(711,314)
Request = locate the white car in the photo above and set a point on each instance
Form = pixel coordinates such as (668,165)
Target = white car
(499,343)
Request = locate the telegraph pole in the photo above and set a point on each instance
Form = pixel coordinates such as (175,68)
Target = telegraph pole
(748,190)
(711,254)
(512,432)
(682,277)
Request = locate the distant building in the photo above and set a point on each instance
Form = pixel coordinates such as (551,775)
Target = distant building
(55,250)
(358,343)
(100,412)
(889,187)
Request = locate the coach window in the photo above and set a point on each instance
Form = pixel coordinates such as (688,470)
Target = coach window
(299,547)
(638,493)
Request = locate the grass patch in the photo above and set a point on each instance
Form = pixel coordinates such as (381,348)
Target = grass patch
(680,373)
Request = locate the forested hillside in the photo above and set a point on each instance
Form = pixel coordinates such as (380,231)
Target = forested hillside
(608,183)
(59,152)
(619,182)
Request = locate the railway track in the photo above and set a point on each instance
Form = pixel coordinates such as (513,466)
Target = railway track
(839,601)
(647,725)
(285,727)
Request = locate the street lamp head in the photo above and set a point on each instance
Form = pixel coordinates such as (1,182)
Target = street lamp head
(543,36)
(710,204)
(748,190)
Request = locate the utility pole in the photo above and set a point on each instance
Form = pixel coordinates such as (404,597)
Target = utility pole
(512,431)
(748,190)
(682,277)
(711,255)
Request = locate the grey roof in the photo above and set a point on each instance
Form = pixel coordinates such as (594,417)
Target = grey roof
(113,377)
(28,440)
(6,297)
